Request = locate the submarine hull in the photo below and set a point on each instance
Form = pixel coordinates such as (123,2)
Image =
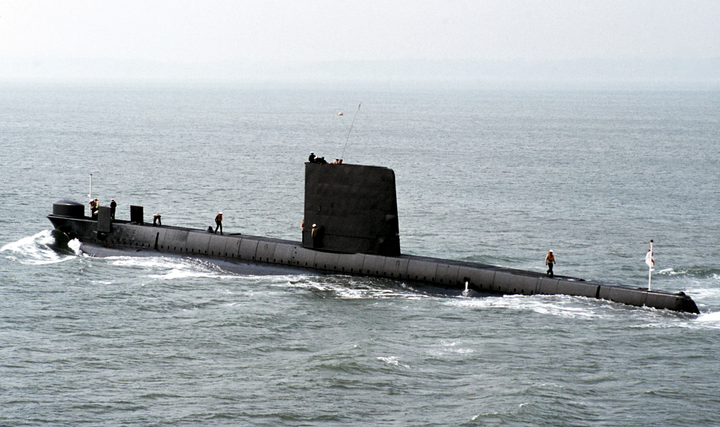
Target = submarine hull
(101,237)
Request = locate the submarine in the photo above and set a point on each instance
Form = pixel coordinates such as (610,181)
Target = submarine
(350,227)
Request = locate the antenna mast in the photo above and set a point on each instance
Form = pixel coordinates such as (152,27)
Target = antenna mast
(350,130)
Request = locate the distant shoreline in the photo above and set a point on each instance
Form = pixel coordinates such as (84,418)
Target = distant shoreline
(683,74)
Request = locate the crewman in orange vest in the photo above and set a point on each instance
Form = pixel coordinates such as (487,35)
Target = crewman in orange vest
(549,261)
(218,223)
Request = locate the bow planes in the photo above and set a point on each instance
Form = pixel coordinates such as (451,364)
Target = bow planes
(350,227)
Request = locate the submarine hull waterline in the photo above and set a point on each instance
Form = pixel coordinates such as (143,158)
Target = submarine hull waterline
(102,237)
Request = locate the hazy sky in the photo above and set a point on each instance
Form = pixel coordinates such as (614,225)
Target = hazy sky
(336,30)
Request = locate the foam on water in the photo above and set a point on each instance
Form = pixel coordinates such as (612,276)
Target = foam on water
(40,249)
(172,268)
(694,272)
(553,305)
(705,292)
(710,319)
(393,361)
(345,287)
(451,347)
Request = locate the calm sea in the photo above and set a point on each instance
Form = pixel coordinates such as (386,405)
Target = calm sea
(497,177)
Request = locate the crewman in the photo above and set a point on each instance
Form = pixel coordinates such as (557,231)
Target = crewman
(311,159)
(94,206)
(549,261)
(316,235)
(157,219)
(113,206)
(218,223)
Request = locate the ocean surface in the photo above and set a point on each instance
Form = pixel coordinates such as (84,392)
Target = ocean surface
(498,177)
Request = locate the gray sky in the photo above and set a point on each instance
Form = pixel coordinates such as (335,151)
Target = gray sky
(252,31)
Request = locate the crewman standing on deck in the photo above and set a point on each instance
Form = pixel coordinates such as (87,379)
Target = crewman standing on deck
(218,223)
(550,261)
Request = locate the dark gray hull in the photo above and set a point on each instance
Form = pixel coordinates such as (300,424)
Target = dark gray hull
(287,256)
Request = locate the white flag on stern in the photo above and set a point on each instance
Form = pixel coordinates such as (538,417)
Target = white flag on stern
(650,261)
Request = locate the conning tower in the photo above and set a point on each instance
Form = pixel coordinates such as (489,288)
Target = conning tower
(354,208)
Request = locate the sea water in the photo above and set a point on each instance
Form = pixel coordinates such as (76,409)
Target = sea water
(497,177)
